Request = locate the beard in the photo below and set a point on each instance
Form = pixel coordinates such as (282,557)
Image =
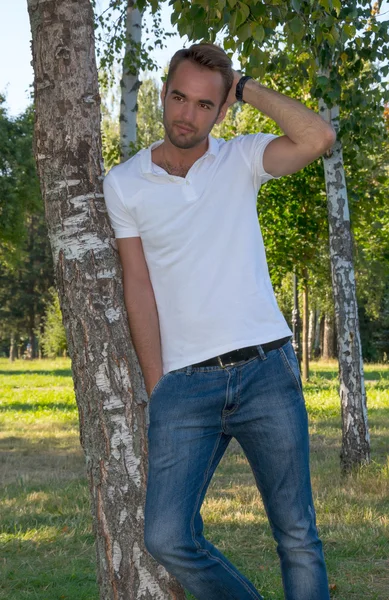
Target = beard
(184,141)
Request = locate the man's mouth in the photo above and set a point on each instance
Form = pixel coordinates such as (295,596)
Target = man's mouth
(184,129)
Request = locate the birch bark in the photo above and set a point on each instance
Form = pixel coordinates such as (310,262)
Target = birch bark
(355,432)
(109,387)
(129,83)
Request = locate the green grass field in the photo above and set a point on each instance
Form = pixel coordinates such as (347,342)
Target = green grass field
(46,542)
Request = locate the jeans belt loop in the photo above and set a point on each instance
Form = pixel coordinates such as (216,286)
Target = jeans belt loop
(261,352)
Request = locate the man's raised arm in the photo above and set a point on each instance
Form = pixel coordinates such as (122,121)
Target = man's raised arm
(307,135)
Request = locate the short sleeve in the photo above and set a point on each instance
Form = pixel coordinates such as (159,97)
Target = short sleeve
(253,147)
(122,221)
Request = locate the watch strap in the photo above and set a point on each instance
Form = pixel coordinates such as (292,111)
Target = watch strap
(239,87)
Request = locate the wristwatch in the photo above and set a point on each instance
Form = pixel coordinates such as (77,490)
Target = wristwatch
(239,87)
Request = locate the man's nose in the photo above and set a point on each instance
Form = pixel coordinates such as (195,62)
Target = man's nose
(188,112)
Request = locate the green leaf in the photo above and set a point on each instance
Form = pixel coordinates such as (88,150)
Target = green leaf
(296,25)
(337,6)
(296,5)
(349,30)
(244,32)
(232,24)
(322,81)
(258,33)
(258,10)
(244,10)
(326,4)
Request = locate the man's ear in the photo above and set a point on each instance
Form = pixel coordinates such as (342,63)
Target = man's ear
(222,113)
(163,93)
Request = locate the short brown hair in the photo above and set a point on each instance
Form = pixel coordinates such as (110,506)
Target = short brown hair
(208,56)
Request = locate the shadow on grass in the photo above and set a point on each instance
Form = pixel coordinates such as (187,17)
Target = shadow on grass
(52,372)
(41,460)
(332,375)
(380,416)
(34,406)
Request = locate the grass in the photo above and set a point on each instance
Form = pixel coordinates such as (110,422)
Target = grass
(46,542)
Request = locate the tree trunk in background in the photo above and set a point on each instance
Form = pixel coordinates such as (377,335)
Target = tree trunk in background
(129,83)
(311,332)
(305,373)
(31,335)
(328,337)
(109,388)
(12,348)
(355,431)
(317,341)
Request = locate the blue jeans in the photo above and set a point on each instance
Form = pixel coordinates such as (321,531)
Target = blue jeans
(194,413)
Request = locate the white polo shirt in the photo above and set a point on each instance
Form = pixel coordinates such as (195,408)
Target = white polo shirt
(203,247)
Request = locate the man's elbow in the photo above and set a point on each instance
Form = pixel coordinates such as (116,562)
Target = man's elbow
(328,138)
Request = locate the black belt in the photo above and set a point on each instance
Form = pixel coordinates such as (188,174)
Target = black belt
(235,356)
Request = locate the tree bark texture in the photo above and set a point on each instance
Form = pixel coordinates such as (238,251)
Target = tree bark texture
(130,82)
(108,383)
(311,332)
(328,337)
(305,370)
(355,432)
(12,348)
(317,341)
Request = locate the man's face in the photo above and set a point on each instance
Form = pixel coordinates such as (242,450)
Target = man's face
(192,104)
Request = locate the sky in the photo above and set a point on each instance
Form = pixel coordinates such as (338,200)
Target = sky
(16,74)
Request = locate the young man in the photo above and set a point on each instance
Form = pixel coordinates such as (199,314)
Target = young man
(213,346)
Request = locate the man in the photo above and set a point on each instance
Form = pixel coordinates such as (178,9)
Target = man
(213,346)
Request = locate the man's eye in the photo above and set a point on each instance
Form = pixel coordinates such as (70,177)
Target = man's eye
(177,98)
(204,106)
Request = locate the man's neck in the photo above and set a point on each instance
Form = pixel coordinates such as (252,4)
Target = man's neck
(177,161)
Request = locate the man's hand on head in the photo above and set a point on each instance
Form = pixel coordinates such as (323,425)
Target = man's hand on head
(231,98)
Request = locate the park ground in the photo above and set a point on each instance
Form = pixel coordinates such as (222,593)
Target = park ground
(46,541)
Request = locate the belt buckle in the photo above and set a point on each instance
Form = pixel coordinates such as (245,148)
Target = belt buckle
(223,366)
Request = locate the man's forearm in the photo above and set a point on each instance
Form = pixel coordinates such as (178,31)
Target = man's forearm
(299,123)
(144,325)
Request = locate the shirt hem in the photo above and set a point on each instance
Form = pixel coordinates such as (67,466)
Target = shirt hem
(173,366)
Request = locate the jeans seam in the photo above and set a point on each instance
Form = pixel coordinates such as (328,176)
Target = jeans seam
(228,413)
(196,543)
(223,564)
(201,489)
(158,385)
(289,368)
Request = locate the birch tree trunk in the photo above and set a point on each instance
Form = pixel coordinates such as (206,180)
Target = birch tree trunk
(355,432)
(129,83)
(109,387)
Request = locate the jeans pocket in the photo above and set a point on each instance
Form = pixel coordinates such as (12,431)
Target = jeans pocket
(157,386)
(290,360)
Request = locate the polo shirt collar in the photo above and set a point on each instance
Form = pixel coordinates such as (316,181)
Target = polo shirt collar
(145,156)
